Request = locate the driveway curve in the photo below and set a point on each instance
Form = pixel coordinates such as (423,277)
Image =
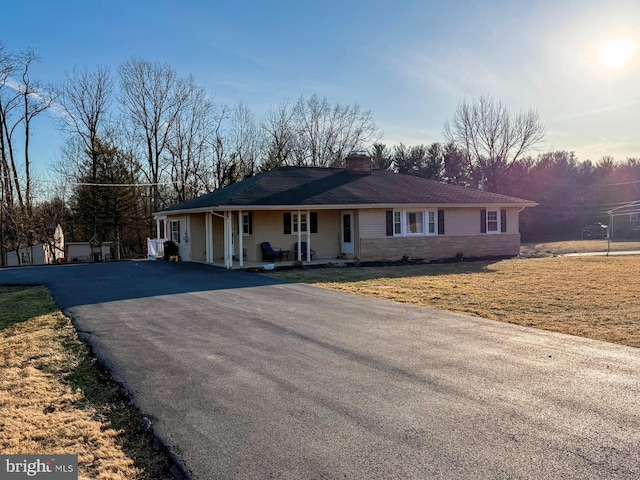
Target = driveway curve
(247,377)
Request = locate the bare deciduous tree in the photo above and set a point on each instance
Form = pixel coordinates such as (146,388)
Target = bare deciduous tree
(492,137)
(22,99)
(326,134)
(188,143)
(279,135)
(85,100)
(221,165)
(245,141)
(152,98)
(34,100)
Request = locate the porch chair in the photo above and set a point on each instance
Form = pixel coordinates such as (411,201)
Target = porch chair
(269,254)
(303,246)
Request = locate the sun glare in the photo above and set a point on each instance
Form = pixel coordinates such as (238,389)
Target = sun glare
(617,53)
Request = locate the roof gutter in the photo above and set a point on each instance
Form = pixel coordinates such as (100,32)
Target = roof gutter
(347,206)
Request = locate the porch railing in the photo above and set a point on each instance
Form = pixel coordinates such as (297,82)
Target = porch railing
(155,248)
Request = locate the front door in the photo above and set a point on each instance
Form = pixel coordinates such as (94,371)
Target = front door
(347,233)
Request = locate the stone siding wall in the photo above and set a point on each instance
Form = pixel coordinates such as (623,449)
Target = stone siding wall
(438,247)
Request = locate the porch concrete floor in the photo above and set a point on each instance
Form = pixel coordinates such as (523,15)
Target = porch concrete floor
(250,265)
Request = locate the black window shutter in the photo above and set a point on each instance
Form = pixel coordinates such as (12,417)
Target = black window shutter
(250,232)
(389,223)
(314,222)
(440,222)
(503,220)
(287,222)
(483,220)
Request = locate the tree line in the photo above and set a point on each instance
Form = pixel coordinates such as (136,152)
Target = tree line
(142,137)
(570,193)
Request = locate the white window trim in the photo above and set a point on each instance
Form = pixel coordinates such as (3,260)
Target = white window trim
(425,223)
(171,232)
(245,233)
(498,220)
(295,223)
(397,221)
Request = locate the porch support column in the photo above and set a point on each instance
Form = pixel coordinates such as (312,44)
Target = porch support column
(299,246)
(225,239)
(228,241)
(158,228)
(207,237)
(240,239)
(308,236)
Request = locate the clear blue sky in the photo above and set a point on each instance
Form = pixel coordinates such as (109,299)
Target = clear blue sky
(411,62)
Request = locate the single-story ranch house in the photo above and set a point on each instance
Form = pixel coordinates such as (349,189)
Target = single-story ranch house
(352,212)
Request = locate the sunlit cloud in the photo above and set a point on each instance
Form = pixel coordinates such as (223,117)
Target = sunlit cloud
(41,96)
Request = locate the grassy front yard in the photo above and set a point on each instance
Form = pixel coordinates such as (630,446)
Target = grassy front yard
(595,297)
(578,246)
(55,400)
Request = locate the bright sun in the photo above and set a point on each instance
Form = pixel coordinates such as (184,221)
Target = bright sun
(617,53)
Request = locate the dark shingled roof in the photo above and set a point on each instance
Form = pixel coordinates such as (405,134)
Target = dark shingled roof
(312,186)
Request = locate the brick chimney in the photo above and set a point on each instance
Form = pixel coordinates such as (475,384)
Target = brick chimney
(358,164)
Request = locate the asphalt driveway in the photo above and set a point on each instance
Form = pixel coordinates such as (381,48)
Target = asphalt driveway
(245,377)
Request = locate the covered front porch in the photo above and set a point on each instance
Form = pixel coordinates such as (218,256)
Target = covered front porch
(234,238)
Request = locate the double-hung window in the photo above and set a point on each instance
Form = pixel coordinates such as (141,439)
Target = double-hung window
(175,231)
(397,223)
(247,223)
(432,222)
(493,220)
(299,223)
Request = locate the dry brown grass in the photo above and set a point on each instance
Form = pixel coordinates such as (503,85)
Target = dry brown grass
(55,400)
(595,297)
(577,246)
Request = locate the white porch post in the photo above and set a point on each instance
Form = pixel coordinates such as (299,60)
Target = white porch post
(308,235)
(299,246)
(211,237)
(225,227)
(158,228)
(240,240)
(229,241)
(207,237)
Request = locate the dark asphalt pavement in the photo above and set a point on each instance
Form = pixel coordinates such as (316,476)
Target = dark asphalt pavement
(246,377)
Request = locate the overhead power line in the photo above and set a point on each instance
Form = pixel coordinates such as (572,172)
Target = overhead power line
(90,184)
